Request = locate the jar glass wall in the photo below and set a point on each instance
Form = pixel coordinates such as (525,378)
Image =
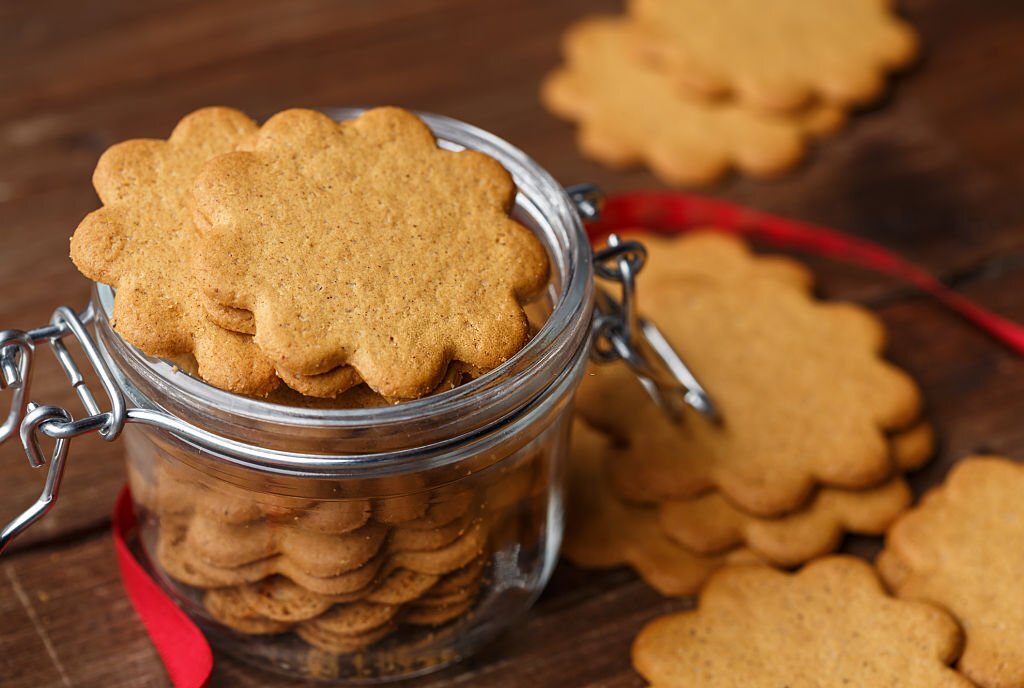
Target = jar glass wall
(371,543)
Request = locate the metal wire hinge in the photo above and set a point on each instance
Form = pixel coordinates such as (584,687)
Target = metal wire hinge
(619,333)
(32,421)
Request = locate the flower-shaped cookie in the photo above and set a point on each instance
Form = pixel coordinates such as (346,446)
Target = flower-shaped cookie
(778,55)
(141,240)
(804,394)
(961,548)
(709,523)
(365,244)
(603,532)
(830,624)
(629,113)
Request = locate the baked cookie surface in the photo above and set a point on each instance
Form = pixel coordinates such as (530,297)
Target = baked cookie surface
(829,625)
(363,243)
(959,548)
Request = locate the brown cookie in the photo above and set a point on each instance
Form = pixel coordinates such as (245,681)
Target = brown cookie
(358,397)
(227,606)
(310,186)
(778,56)
(419,539)
(451,557)
(830,624)
(337,643)
(234,319)
(327,385)
(184,491)
(442,510)
(629,113)
(450,599)
(360,579)
(334,517)
(282,600)
(355,618)
(186,568)
(763,349)
(341,382)
(913,447)
(511,486)
(348,563)
(401,508)
(468,575)
(604,532)
(959,549)
(228,546)
(428,615)
(141,240)
(325,556)
(709,523)
(401,586)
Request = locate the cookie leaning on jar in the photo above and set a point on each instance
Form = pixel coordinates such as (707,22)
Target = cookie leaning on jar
(299,254)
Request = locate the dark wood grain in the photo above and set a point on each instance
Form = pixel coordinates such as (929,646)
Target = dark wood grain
(934,172)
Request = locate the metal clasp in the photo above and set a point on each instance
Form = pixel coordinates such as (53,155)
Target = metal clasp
(30,420)
(619,333)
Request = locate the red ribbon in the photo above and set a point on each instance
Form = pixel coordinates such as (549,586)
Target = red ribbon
(186,653)
(673,212)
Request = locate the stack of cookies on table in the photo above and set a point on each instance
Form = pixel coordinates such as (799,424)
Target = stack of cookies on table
(816,429)
(816,432)
(324,264)
(692,88)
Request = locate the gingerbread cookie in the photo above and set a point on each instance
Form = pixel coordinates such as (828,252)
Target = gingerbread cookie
(227,606)
(348,582)
(183,493)
(280,599)
(629,113)
(468,546)
(830,624)
(350,193)
(776,56)
(342,643)
(401,586)
(436,615)
(326,385)
(763,349)
(959,549)
(141,240)
(604,532)
(709,523)
(183,567)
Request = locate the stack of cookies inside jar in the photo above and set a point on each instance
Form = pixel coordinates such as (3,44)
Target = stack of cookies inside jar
(312,264)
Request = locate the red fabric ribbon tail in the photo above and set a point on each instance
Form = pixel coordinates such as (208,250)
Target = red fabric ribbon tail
(184,650)
(673,212)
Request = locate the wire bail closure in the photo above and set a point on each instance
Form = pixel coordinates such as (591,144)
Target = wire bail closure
(30,421)
(618,332)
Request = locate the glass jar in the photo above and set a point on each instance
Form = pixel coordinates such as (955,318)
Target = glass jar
(369,543)
(359,544)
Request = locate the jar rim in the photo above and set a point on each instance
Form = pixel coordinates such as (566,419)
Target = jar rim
(568,249)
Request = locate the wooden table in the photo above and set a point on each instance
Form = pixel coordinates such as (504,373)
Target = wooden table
(935,172)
